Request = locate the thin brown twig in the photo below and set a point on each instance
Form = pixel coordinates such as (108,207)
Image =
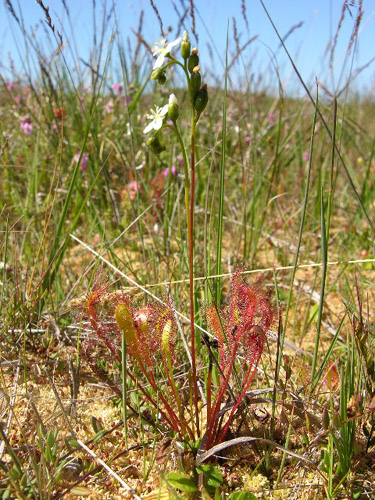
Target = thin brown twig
(158,16)
(9,5)
(49,20)
(244,15)
(192,15)
(334,43)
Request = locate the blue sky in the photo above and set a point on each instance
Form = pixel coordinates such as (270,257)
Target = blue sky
(307,44)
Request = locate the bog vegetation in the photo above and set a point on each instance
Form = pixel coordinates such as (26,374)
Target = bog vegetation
(186,272)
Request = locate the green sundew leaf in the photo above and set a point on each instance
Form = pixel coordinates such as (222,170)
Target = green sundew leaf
(212,477)
(72,442)
(100,434)
(242,495)
(51,438)
(181,482)
(81,491)
(48,455)
(96,425)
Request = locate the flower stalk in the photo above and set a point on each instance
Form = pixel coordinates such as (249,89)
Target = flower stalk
(191,68)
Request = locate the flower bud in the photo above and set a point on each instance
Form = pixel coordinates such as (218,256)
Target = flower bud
(185,46)
(193,60)
(195,81)
(173,110)
(162,79)
(156,74)
(155,145)
(201,100)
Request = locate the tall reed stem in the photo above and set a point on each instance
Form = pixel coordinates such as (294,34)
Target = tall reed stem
(191,270)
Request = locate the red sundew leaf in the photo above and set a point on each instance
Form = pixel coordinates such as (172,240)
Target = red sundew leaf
(241,329)
(253,342)
(213,316)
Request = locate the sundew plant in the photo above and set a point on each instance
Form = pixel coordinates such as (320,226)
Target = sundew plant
(149,335)
(186,253)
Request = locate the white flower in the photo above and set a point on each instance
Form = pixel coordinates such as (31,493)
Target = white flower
(157,117)
(172,99)
(162,49)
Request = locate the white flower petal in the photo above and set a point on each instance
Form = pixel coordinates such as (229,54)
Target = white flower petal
(172,44)
(157,123)
(159,61)
(149,127)
(164,110)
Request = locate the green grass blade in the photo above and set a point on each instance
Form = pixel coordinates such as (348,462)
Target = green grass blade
(219,245)
(324,252)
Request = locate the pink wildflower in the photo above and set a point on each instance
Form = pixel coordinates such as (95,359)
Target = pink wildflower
(109,106)
(173,170)
(10,86)
(54,127)
(117,87)
(306,156)
(271,118)
(133,188)
(26,126)
(84,160)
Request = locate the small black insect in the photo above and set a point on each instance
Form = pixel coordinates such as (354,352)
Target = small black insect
(209,341)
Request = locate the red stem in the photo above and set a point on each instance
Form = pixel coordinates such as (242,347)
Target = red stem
(212,423)
(209,391)
(191,275)
(153,384)
(248,379)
